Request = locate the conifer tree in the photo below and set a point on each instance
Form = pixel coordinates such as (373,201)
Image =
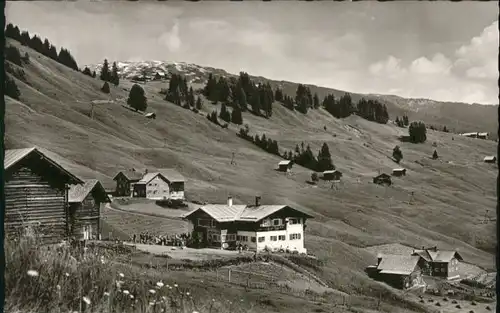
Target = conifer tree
(115,79)
(325,159)
(435,155)
(87,71)
(236,116)
(198,103)
(105,87)
(137,98)
(105,75)
(397,154)
(316,101)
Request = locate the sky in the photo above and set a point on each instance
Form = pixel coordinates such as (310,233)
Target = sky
(445,51)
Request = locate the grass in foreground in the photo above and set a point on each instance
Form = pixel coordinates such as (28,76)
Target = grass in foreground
(61,279)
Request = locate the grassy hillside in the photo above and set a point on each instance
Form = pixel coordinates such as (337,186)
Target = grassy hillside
(450,194)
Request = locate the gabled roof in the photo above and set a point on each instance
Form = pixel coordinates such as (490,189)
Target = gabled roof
(284,162)
(130,175)
(241,213)
(14,156)
(172,175)
(77,193)
(441,256)
(383,175)
(149,177)
(398,264)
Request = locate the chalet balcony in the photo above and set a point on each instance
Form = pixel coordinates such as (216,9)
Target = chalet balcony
(271,228)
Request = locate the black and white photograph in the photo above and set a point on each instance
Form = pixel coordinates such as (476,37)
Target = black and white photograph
(250,156)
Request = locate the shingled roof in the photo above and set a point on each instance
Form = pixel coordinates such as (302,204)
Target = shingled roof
(14,156)
(130,175)
(398,264)
(241,213)
(435,255)
(77,193)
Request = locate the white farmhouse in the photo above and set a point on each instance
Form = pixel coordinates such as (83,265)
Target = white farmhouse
(259,227)
(160,185)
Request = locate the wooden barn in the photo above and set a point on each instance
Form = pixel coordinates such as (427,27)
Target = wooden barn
(285,166)
(399,172)
(382,179)
(399,271)
(85,209)
(490,159)
(36,195)
(125,181)
(334,175)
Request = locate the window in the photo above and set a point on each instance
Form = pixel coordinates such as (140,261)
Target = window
(295,236)
(150,184)
(293,221)
(253,239)
(242,238)
(282,237)
(265,223)
(274,238)
(223,237)
(205,222)
(261,239)
(231,237)
(277,222)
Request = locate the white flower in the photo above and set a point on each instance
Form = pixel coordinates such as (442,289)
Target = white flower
(169,287)
(195,311)
(126,292)
(152,291)
(131,296)
(106,294)
(175,285)
(86,300)
(159,284)
(151,303)
(33,273)
(67,274)
(58,287)
(213,300)
(121,275)
(187,293)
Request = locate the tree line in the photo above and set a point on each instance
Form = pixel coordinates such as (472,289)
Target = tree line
(263,142)
(305,157)
(242,94)
(44,47)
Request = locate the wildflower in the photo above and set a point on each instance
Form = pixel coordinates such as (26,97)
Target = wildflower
(33,273)
(131,296)
(187,293)
(106,294)
(67,274)
(152,291)
(195,312)
(169,287)
(121,275)
(175,285)
(213,300)
(159,284)
(126,292)
(151,303)
(58,287)
(86,300)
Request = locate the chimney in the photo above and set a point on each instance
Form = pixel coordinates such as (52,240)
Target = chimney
(379,259)
(229,201)
(257,201)
(145,171)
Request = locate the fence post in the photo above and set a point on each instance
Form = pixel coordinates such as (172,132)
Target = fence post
(229,275)
(217,274)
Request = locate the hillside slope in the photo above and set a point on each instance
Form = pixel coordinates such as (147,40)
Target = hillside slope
(457,117)
(450,194)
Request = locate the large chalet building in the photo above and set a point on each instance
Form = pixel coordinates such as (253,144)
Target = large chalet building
(259,227)
(125,181)
(36,195)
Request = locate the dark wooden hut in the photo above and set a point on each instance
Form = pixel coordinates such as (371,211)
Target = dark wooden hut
(36,195)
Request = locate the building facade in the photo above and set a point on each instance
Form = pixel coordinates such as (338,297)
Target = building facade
(285,166)
(399,271)
(36,195)
(160,185)
(258,227)
(332,175)
(440,263)
(125,181)
(85,210)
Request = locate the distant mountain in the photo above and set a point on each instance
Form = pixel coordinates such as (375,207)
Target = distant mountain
(457,117)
